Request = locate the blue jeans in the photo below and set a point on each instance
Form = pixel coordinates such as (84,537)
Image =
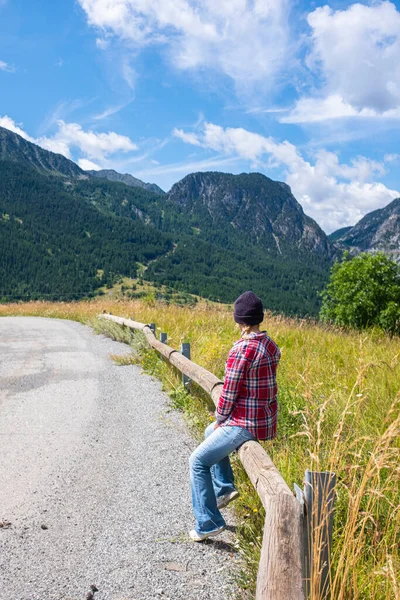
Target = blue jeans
(211,474)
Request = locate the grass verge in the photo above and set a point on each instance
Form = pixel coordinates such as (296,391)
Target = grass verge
(339,404)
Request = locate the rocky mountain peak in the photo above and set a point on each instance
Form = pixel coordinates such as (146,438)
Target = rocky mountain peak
(254,204)
(377,231)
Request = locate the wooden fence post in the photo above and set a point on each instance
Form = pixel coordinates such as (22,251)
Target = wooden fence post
(319,500)
(185,351)
(152,326)
(163,338)
(280,575)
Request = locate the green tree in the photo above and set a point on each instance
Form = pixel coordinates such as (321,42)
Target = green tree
(362,292)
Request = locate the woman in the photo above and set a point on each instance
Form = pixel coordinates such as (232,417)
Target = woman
(247,410)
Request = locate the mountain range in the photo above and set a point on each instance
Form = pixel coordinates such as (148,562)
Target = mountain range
(65,232)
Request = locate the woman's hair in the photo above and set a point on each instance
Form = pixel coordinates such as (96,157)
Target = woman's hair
(246,330)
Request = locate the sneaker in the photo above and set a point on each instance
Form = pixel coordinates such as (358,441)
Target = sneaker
(224,500)
(199,537)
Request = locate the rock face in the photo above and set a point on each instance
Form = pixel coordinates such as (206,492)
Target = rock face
(377,231)
(253,204)
(112,175)
(15,148)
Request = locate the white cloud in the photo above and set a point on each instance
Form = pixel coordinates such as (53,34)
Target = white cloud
(111,110)
(334,194)
(91,145)
(102,43)
(361,168)
(128,73)
(59,146)
(190,138)
(392,158)
(8,123)
(355,54)
(312,110)
(6,67)
(358,50)
(88,165)
(258,110)
(247,41)
(63,110)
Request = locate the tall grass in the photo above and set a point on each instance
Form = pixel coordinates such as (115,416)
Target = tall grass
(339,411)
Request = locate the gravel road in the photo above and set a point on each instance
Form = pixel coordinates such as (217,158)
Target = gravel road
(94,476)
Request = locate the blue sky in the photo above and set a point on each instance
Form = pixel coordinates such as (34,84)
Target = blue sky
(304,92)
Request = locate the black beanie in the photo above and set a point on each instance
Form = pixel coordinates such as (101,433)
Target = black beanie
(248,309)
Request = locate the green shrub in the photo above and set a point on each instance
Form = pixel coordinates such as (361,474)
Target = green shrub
(363,292)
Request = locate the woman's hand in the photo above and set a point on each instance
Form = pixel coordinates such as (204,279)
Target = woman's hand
(212,417)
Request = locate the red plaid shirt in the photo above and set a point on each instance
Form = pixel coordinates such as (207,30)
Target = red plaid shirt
(248,397)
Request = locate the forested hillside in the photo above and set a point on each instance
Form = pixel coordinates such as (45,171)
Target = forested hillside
(286,260)
(55,244)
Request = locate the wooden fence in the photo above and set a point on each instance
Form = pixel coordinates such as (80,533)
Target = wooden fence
(281,574)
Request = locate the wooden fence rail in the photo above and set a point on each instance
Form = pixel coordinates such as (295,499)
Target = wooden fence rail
(280,575)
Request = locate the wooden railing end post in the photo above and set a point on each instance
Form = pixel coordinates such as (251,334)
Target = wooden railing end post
(319,498)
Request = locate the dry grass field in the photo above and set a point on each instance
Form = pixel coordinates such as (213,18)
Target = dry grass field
(339,411)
